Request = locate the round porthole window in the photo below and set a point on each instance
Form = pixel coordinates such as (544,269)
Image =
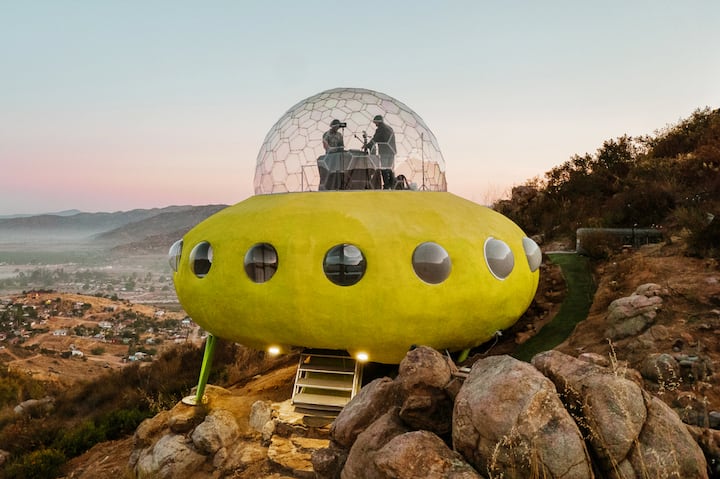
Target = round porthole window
(344,264)
(174,255)
(261,262)
(431,263)
(533,253)
(499,258)
(201,258)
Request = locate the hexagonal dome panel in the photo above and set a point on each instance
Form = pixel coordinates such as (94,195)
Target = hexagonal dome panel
(297,137)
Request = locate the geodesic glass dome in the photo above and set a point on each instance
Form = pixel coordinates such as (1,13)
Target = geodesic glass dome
(288,158)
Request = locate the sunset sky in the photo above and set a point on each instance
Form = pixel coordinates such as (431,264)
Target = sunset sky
(108,106)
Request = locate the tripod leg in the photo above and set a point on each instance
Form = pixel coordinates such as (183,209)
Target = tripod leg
(463,355)
(204,372)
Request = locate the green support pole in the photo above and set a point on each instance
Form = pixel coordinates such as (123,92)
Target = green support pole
(204,372)
(463,355)
(205,368)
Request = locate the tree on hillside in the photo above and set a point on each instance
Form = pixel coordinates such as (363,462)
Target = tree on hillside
(672,179)
(701,129)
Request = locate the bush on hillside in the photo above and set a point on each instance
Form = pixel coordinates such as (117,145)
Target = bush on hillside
(646,205)
(41,464)
(670,180)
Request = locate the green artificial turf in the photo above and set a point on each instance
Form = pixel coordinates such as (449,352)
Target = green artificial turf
(581,289)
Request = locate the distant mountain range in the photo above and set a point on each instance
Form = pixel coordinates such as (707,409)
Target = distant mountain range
(59,213)
(141,227)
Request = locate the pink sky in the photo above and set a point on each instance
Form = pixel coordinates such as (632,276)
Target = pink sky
(110,110)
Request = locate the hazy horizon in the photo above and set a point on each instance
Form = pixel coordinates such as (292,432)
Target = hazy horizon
(72,211)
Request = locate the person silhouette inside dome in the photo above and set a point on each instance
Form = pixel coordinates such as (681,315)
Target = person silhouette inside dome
(384,140)
(333,138)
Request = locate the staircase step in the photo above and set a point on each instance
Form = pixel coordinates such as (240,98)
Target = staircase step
(328,364)
(326,381)
(320,401)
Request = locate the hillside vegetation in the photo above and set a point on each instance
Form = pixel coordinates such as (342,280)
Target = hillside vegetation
(105,408)
(670,180)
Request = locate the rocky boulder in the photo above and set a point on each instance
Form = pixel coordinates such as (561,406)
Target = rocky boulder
(633,314)
(661,368)
(559,417)
(421,454)
(173,455)
(632,433)
(361,459)
(370,403)
(208,440)
(364,434)
(35,407)
(422,379)
(508,420)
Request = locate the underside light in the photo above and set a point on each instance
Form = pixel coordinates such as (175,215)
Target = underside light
(273,350)
(362,357)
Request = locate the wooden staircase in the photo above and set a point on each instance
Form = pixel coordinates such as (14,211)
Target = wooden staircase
(326,380)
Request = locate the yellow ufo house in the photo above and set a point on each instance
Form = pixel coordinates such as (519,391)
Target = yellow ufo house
(354,249)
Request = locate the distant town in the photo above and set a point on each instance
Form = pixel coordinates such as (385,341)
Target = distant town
(145,287)
(84,292)
(43,331)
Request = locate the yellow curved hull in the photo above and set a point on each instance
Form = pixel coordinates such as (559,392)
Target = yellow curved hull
(390,308)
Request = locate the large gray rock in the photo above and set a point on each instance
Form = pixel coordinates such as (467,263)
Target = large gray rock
(661,368)
(665,447)
(609,408)
(328,463)
(421,454)
(422,377)
(150,429)
(260,414)
(360,461)
(631,433)
(370,403)
(218,430)
(171,457)
(633,314)
(146,434)
(35,407)
(509,421)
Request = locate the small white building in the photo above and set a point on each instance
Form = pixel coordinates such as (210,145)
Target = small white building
(139,356)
